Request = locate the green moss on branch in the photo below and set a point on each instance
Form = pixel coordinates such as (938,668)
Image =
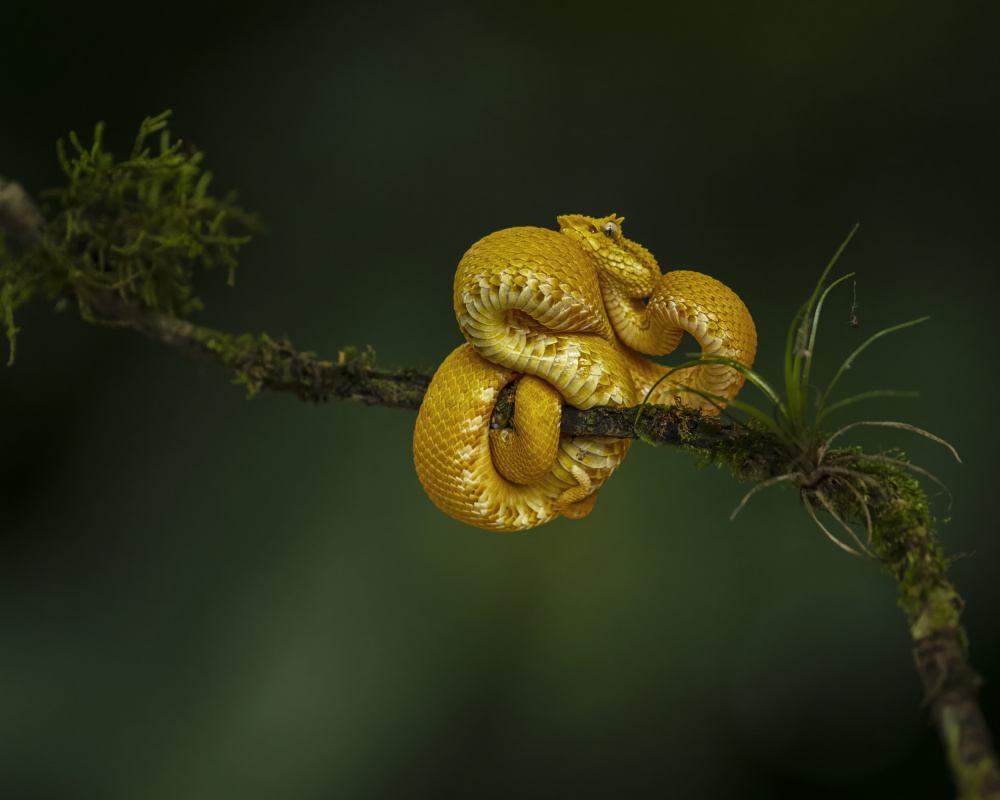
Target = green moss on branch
(265,364)
(141,228)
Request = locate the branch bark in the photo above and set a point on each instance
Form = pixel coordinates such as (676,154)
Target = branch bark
(263,363)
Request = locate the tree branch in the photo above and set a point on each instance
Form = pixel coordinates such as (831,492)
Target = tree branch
(903,537)
(263,363)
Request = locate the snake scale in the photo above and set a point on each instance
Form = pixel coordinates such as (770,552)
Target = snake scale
(562,314)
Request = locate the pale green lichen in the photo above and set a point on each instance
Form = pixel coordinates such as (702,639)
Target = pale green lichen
(970,776)
(141,227)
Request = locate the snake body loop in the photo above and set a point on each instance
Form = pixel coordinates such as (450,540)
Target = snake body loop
(562,314)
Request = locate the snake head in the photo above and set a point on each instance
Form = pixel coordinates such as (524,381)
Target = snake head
(628,266)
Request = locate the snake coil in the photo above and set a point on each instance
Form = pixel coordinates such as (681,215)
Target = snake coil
(562,314)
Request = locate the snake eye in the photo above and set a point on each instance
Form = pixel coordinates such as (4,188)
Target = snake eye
(593,229)
(611,230)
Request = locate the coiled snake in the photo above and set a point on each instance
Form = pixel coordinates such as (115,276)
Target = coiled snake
(561,313)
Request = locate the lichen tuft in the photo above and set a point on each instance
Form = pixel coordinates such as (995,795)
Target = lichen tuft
(141,227)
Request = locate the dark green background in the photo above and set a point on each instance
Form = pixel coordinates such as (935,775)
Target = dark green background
(204,597)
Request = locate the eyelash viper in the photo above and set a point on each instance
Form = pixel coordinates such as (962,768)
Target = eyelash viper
(562,314)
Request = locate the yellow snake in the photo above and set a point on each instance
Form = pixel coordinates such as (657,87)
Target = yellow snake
(562,314)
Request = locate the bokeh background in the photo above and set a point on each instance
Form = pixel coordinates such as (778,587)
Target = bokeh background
(205,597)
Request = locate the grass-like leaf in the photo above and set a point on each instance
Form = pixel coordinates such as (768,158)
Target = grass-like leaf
(850,359)
(755,378)
(834,539)
(798,338)
(814,328)
(833,513)
(759,487)
(824,409)
(890,424)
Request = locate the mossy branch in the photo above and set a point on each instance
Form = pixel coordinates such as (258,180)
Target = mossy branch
(124,241)
(262,363)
